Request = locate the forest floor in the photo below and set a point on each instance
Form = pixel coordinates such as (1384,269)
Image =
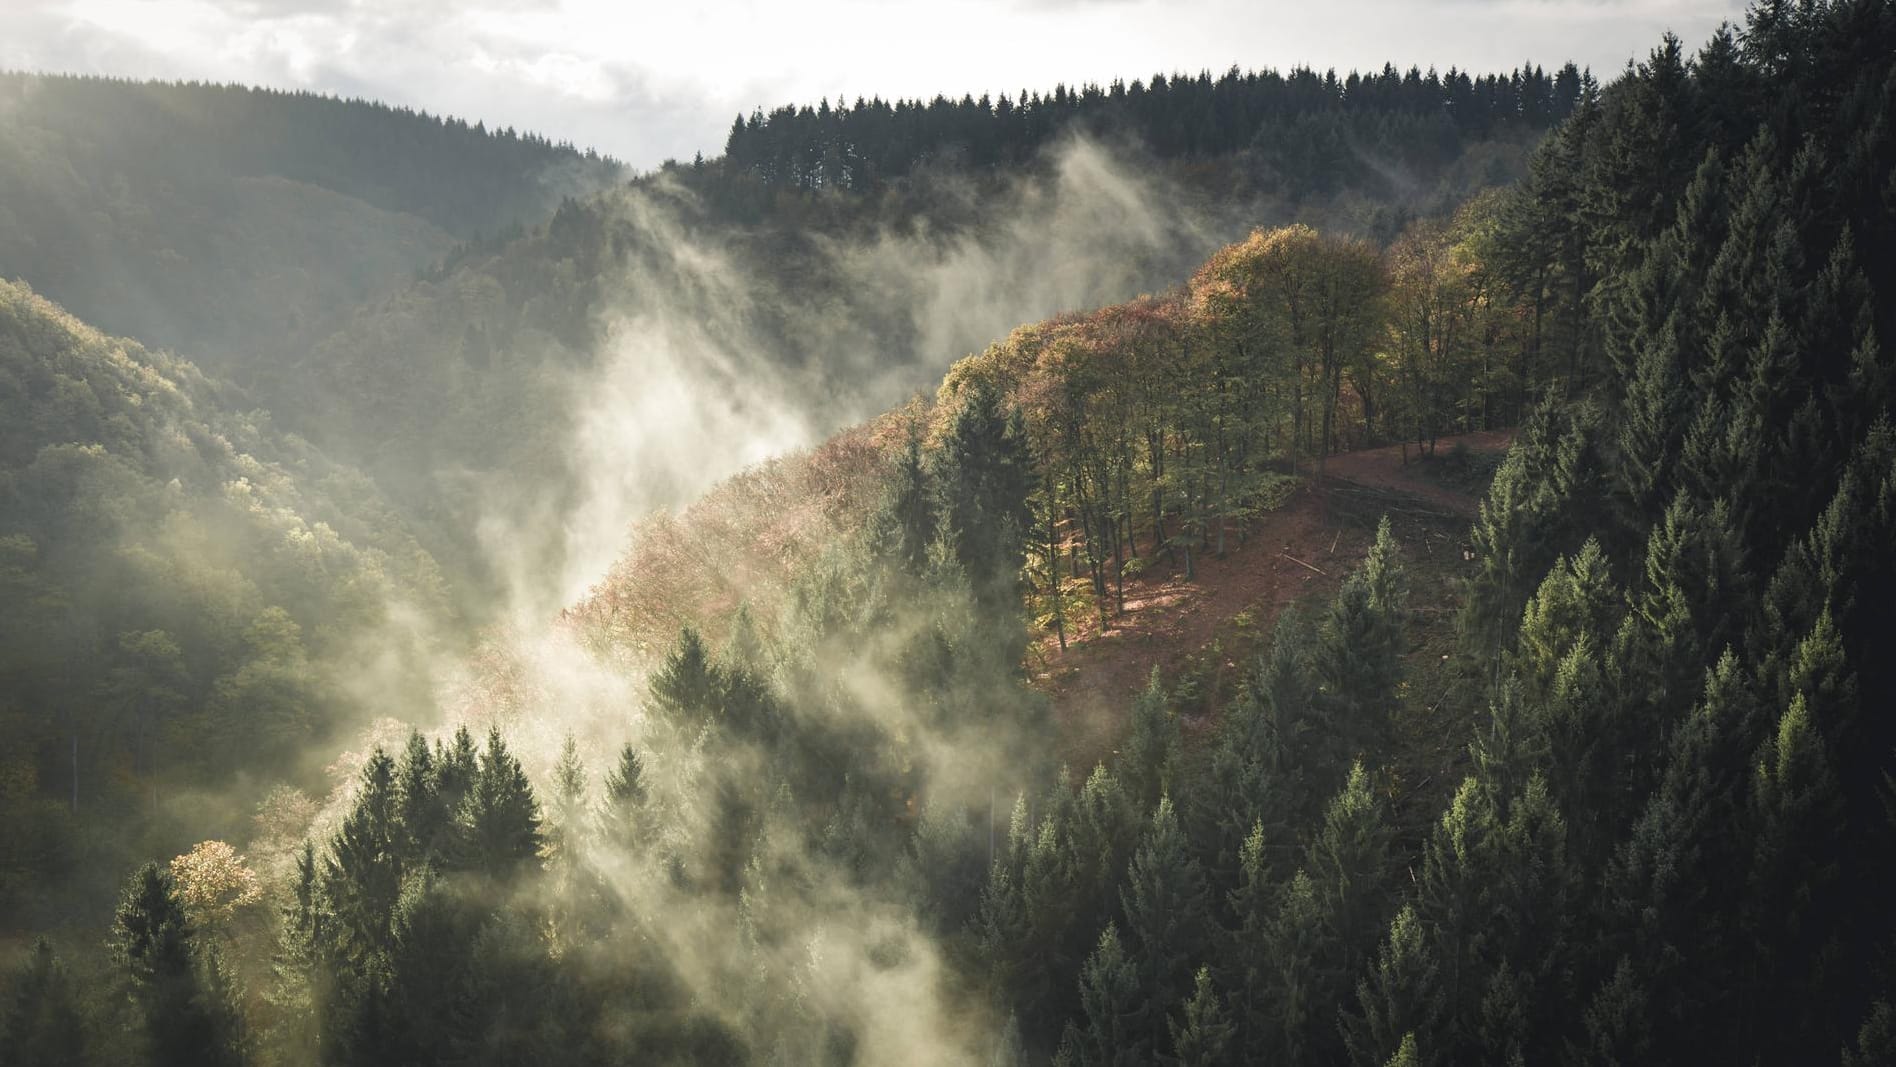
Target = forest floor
(1200,632)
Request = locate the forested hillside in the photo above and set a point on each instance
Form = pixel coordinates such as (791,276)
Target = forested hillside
(235,223)
(1305,131)
(182,585)
(843,295)
(781,788)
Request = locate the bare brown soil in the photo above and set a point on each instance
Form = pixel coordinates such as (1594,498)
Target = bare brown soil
(1206,625)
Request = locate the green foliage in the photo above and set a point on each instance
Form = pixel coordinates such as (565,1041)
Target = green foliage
(500,818)
(1671,841)
(1302,121)
(1116,1029)
(1152,746)
(165,210)
(43,1025)
(983,477)
(1398,998)
(1201,1033)
(180,993)
(1167,919)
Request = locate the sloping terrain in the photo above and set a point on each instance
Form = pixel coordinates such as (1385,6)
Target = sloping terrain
(236,223)
(1203,628)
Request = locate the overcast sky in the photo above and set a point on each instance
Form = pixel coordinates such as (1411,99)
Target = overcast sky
(646,80)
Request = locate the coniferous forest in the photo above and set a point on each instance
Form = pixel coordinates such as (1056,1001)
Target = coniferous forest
(1513,453)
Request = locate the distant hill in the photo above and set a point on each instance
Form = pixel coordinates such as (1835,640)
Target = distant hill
(222,220)
(179,579)
(846,256)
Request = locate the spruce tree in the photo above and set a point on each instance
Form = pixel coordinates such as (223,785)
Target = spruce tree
(1459,871)
(1306,972)
(569,796)
(1348,863)
(1201,1034)
(624,817)
(43,1025)
(984,476)
(1398,999)
(906,525)
(687,685)
(1115,1028)
(185,1014)
(1152,746)
(424,817)
(1167,919)
(362,874)
(500,820)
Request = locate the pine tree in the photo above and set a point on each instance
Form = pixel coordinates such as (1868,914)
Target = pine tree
(984,476)
(1201,1034)
(1152,747)
(362,874)
(1167,919)
(906,525)
(500,820)
(1398,999)
(1115,1028)
(688,683)
(424,818)
(43,1025)
(185,1014)
(623,819)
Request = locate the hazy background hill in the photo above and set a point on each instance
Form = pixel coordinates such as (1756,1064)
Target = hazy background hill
(835,260)
(233,222)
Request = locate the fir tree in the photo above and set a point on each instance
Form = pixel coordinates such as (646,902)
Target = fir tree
(500,820)
(1115,1029)
(1398,999)
(424,817)
(1200,1033)
(1152,747)
(43,1025)
(185,1012)
(362,874)
(1166,917)
(623,819)
(688,683)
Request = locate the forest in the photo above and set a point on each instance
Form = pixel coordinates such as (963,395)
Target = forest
(1596,776)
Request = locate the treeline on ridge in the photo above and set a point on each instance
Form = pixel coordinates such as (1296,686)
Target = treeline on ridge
(1313,128)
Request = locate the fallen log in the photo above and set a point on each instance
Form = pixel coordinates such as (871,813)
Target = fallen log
(1301,563)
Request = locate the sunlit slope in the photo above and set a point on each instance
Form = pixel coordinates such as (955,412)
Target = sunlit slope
(179,580)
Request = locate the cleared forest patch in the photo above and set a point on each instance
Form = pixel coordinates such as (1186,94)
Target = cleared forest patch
(1198,632)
